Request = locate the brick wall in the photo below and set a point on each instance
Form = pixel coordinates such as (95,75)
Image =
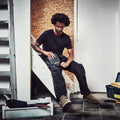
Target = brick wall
(41,13)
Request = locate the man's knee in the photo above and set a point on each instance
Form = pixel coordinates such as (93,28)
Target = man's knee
(78,68)
(81,67)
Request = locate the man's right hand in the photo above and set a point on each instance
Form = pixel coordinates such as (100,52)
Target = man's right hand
(50,55)
(36,47)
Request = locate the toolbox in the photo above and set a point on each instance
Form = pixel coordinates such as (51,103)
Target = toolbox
(112,91)
(36,108)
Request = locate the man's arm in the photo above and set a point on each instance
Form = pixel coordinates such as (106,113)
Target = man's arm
(69,60)
(36,47)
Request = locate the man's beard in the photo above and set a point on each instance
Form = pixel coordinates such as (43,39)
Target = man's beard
(58,31)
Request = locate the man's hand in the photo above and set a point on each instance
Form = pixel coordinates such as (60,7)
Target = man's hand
(64,64)
(50,55)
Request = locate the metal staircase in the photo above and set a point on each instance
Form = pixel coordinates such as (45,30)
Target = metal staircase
(7,50)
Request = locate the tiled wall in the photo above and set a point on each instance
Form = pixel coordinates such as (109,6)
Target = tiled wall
(41,13)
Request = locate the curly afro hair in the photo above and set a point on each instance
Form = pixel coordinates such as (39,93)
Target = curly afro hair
(60,17)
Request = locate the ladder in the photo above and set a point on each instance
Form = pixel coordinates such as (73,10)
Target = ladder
(7,50)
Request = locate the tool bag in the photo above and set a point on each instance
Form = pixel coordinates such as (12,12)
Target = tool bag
(113,90)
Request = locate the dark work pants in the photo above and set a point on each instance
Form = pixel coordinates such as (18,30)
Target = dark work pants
(58,80)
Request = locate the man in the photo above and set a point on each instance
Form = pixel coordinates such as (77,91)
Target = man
(54,41)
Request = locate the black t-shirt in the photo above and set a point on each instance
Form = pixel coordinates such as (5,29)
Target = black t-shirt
(54,43)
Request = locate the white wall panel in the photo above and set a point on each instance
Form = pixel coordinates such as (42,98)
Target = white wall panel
(97,41)
(22,47)
(118,38)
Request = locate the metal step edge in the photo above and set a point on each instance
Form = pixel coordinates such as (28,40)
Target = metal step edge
(4,41)
(4,56)
(3,24)
(4,78)
(5,91)
(5,73)
(3,2)
(3,7)
(3,21)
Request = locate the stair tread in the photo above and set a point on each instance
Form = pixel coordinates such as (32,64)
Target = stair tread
(4,7)
(3,24)
(4,39)
(4,56)
(5,91)
(3,2)
(3,21)
(5,73)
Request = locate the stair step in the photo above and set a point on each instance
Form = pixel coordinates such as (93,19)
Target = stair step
(4,75)
(4,58)
(3,2)
(3,7)
(4,41)
(4,91)
(4,24)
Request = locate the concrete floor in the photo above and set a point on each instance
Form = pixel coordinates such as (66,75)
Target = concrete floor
(106,110)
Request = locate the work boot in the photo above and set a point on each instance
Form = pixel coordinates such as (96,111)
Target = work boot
(67,105)
(90,98)
(64,101)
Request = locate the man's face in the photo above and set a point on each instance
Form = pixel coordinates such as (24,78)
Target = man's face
(59,27)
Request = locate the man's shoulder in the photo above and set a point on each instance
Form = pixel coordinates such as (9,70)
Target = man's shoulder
(48,31)
(66,35)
